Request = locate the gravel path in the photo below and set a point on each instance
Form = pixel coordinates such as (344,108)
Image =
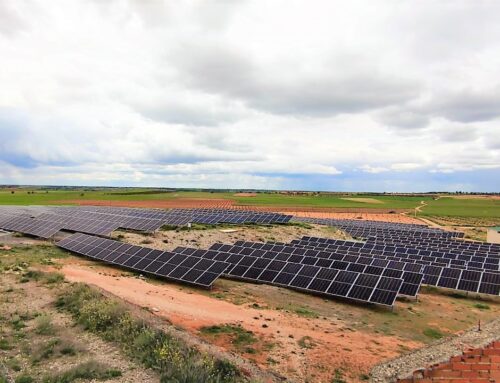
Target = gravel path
(437,352)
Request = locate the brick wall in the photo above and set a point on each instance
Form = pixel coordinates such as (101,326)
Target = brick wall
(480,365)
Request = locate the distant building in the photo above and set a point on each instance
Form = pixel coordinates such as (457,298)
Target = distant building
(493,235)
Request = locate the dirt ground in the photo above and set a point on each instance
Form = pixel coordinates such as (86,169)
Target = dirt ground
(397,218)
(301,337)
(170,239)
(329,341)
(25,350)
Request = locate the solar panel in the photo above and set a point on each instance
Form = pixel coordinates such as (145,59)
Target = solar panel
(180,268)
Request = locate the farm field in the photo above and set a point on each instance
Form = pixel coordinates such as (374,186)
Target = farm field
(466,207)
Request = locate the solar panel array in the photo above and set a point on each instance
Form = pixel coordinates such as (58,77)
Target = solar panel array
(187,269)
(255,267)
(45,222)
(444,259)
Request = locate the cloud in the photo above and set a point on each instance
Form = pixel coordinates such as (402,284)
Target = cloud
(469,105)
(328,91)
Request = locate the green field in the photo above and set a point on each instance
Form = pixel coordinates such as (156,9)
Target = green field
(445,206)
(453,207)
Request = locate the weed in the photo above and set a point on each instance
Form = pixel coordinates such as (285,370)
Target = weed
(17,323)
(53,278)
(482,306)
(88,370)
(4,344)
(306,342)
(304,312)
(44,326)
(24,379)
(45,350)
(240,336)
(433,333)
(338,376)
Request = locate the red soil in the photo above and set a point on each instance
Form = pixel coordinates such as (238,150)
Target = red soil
(191,311)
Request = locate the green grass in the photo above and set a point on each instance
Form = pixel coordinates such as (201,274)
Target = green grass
(433,333)
(34,196)
(445,206)
(482,306)
(90,370)
(24,379)
(240,336)
(454,207)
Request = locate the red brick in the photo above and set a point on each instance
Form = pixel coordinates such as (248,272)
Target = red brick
(492,351)
(455,359)
(480,381)
(485,366)
(446,374)
(495,375)
(471,374)
(461,366)
(496,344)
(476,351)
(472,358)
(495,358)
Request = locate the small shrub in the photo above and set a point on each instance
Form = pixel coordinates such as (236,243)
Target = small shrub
(433,333)
(88,370)
(24,379)
(53,278)
(482,306)
(45,350)
(306,342)
(44,326)
(4,344)
(338,376)
(305,312)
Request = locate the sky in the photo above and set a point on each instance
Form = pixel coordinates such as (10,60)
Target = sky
(399,96)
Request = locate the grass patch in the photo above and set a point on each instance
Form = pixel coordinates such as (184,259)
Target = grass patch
(88,371)
(43,325)
(306,313)
(239,336)
(5,345)
(306,342)
(433,333)
(24,379)
(482,306)
(171,357)
(338,376)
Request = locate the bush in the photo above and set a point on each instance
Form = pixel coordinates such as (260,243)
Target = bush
(89,370)
(43,325)
(433,333)
(24,379)
(482,306)
(172,358)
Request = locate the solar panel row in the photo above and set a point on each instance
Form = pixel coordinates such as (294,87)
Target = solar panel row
(181,268)
(411,280)
(104,220)
(377,289)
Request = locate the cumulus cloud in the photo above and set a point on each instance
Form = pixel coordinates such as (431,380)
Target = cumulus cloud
(280,94)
